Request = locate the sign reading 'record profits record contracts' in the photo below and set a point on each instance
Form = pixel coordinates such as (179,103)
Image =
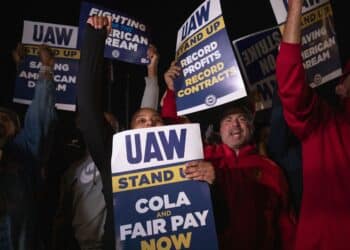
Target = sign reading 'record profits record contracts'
(210,74)
(155,205)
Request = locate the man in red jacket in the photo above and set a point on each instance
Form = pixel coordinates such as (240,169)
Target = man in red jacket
(250,193)
(324,131)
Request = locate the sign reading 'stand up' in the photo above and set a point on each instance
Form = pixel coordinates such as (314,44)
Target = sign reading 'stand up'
(155,205)
(62,39)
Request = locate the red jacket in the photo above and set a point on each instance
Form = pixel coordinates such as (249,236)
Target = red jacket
(168,111)
(252,208)
(324,222)
(251,193)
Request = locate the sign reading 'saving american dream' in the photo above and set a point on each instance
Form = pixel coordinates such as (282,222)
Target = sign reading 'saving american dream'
(63,41)
(318,39)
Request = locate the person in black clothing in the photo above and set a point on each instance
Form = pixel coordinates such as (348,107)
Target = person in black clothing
(95,129)
(285,149)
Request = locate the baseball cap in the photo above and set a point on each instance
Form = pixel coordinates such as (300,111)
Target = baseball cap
(241,106)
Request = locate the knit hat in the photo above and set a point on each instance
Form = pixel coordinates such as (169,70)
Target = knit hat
(243,106)
(235,109)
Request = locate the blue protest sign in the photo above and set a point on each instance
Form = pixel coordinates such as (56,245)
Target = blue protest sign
(155,205)
(129,38)
(210,74)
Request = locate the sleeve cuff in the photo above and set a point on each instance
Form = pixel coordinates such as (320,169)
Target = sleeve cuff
(291,52)
(151,80)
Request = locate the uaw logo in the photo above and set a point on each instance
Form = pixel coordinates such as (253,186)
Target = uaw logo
(210,100)
(144,60)
(318,79)
(115,53)
(88,173)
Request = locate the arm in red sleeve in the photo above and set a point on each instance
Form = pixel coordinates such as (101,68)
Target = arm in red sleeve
(347,106)
(168,111)
(274,178)
(301,106)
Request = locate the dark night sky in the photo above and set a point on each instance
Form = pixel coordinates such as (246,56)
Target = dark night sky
(163,17)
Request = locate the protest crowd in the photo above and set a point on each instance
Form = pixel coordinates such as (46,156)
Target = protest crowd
(276,176)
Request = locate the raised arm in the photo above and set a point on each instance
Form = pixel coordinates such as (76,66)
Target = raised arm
(292,29)
(35,137)
(94,127)
(168,102)
(151,93)
(301,106)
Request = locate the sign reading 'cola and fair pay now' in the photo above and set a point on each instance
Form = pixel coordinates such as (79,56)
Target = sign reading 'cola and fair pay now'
(155,205)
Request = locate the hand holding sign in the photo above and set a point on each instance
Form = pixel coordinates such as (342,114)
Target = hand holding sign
(200,171)
(47,60)
(19,53)
(46,55)
(100,22)
(170,75)
(153,56)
